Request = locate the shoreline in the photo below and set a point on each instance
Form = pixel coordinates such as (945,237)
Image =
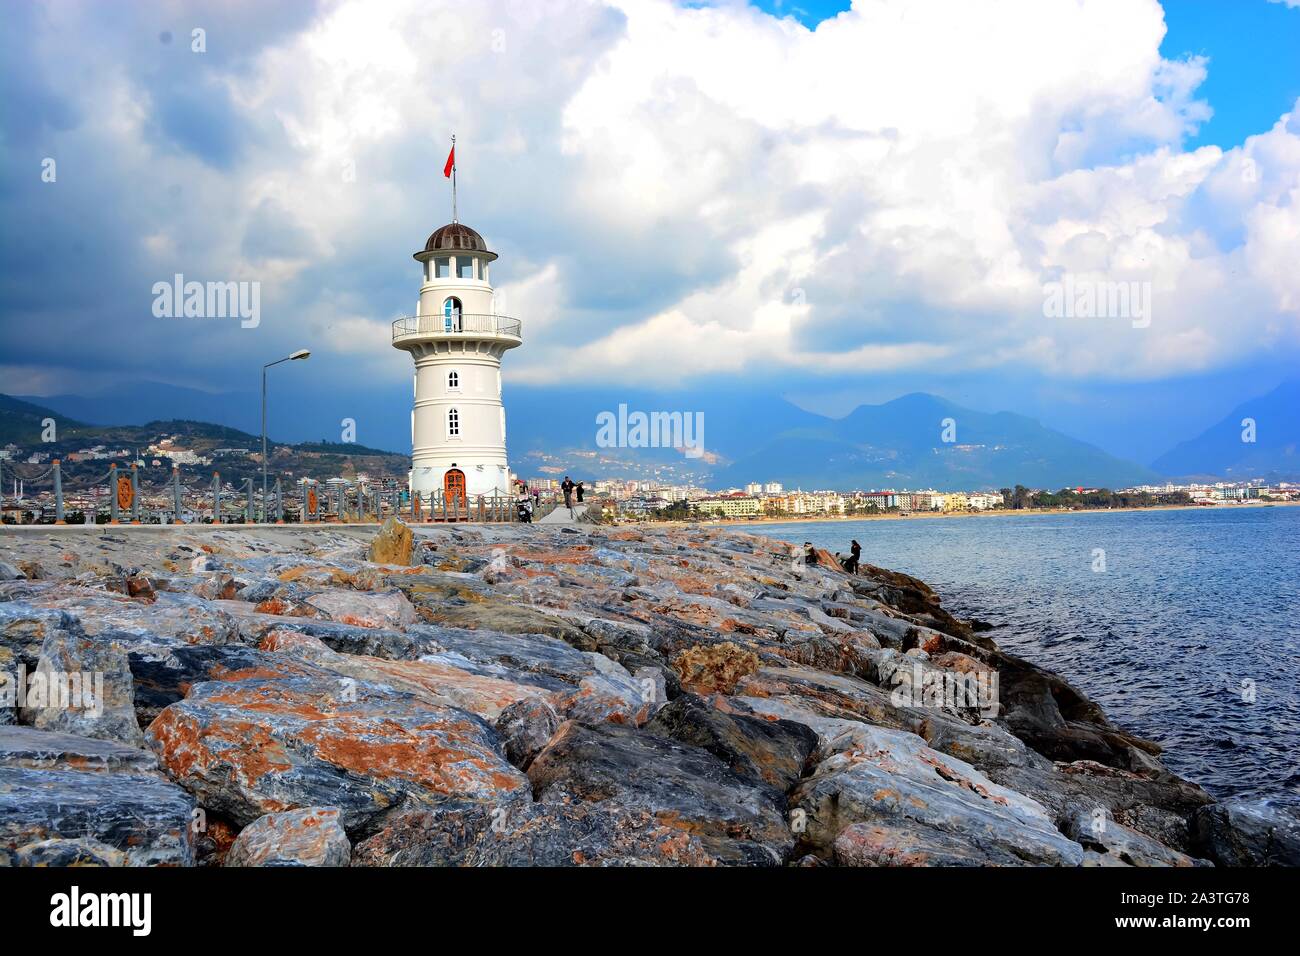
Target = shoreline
(931,515)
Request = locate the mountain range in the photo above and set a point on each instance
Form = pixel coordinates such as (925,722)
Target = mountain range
(752,435)
(1260,438)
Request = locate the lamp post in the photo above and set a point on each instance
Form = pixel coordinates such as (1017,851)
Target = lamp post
(300,354)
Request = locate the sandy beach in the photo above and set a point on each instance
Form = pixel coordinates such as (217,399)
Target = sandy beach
(992,513)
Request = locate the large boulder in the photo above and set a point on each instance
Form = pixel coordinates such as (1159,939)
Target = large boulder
(363,608)
(890,778)
(394,544)
(764,752)
(23,631)
(681,786)
(1117,844)
(68,800)
(164,675)
(82,685)
(48,750)
(560,834)
(1248,833)
(904,844)
(588,686)
(174,618)
(429,680)
(308,837)
(252,747)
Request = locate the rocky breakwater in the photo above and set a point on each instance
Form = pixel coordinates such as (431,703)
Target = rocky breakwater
(516,695)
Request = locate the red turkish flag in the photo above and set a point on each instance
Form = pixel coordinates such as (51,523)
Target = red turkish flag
(451,162)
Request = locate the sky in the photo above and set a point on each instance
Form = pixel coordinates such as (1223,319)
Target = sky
(845,203)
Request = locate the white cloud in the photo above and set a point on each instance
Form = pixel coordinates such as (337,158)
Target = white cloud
(710,190)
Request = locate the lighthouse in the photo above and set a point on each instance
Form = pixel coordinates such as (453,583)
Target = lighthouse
(457,339)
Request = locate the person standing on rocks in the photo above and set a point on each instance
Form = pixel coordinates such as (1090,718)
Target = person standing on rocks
(809,555)
(855,553)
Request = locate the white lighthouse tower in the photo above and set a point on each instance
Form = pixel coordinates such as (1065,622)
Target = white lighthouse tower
(456,337)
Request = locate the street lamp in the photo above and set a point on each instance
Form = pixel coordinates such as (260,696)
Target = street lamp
(300,354)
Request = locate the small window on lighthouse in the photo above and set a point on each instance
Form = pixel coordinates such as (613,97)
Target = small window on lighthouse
(465,267)
(453,423)
(453,380)
(442,267)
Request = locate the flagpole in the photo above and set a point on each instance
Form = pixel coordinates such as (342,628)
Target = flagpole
(453,177)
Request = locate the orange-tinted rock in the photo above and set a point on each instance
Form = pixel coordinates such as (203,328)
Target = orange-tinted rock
(261,746)
(393,544)
(710,668)
(435,682)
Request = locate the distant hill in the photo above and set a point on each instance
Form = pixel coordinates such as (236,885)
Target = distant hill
(1221,452)
(301,410)
(142,402)
(900,444)
(20,424)
(756,436)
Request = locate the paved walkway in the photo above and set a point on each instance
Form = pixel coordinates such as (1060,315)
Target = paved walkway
(561,516)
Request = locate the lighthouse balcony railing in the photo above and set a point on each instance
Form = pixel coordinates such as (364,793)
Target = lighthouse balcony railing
(458,323)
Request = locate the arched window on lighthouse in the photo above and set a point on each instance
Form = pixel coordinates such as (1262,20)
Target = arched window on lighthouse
(453,423)
(453,381)
(451,315)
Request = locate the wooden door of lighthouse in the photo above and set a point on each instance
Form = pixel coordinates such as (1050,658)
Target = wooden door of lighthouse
(453,488)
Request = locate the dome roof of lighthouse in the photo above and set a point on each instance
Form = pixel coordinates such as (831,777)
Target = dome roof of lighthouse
(452,238)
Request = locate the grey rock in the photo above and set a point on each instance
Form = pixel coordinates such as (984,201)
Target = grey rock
(886,777)
(1098,833)
(682,786)
(145,818)
(524,728)
(771,753)
(64,853)
(905,844)
(48,750)
(312,836)
(559,835)
(82,685)
(1248,833)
